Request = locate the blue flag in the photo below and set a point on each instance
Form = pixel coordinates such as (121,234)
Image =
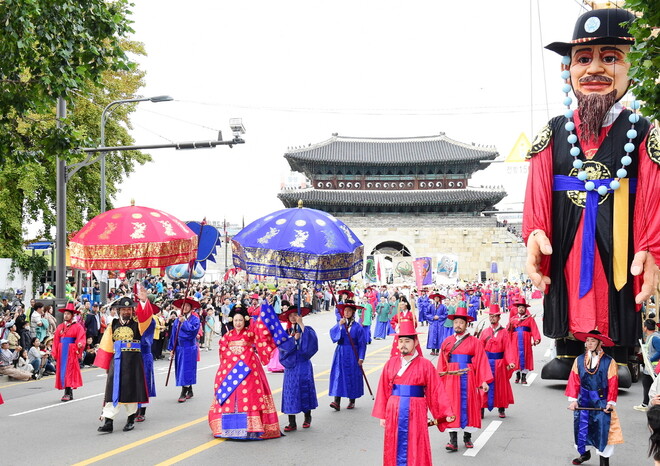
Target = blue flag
(272,322)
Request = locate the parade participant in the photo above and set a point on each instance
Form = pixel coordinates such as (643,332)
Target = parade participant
(524,334)
(274,364)
(68,345)
(255,307)
(501,357)
(146,344)
(346,371)
(298,389)
(409,387)
(382,319)
(403,313)
(464,368)
(423,303)
(436,315)
(183,346)
(119,354)
(592,391)
(245,410)
(590,212)
(345,296)
(365,315)
(473,303)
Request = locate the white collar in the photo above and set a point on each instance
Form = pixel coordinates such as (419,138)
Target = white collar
(612,114)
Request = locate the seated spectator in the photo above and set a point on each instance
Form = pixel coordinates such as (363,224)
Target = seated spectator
(7,358)
(39,360)
(12,335)
(89,354)
(25,335)
(24,365)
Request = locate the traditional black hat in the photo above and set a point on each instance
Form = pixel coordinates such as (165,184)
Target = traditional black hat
(124,301)
(598,27)
(239,310)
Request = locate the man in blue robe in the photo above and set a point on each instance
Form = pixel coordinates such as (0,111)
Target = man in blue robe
(346,371)
(436,315)
(298,389)
(423,304)
(183,345)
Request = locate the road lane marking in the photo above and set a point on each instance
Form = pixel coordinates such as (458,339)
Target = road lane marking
(205,446)
(547,353)
(198,449)
(58,404)
(483,438)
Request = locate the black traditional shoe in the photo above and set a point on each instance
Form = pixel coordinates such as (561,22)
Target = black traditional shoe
(290,428)
(524,379)
(604,461)
(334,405)
(518,377)
(351,405)
(582,458)
(308,421)
(453,442)
(106,427)
(502,413)
(183,396)
(130,422)
(189,394)
(467,440)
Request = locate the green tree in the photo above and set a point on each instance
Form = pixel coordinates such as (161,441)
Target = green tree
(645,55)
(76,49)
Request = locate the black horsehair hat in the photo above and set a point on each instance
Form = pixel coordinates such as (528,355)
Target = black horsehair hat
(598,27)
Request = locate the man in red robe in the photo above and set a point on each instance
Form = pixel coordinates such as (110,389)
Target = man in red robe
(501,357)
(68,346)
(524,333)
(594,244)
(409,387)
(464,369)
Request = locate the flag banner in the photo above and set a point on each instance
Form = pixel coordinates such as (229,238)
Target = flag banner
(273,324)
(370,275)
(423,269)
(447,267)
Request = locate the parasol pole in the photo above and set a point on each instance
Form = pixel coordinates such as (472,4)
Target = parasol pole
(332,288)
(191,269)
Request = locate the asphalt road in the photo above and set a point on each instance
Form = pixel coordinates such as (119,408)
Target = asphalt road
(39,429)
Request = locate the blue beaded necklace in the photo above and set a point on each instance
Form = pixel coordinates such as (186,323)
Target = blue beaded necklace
(572,138)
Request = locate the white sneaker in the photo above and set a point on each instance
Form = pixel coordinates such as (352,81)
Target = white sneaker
(641,407)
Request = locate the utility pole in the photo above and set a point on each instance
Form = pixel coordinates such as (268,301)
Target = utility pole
(60,241)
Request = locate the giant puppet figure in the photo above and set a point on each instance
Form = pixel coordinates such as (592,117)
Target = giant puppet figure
(590,217)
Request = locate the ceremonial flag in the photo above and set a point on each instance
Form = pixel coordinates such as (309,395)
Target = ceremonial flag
(272,323)
(423,271)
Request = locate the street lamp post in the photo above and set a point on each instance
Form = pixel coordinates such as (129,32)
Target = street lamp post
(104,119)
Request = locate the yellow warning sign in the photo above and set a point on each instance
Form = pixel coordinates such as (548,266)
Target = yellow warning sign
(519,150)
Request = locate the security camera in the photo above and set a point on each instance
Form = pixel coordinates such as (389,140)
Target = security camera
(236,125)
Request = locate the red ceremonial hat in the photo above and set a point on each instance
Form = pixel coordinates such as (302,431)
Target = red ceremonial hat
(255,296)
(284,316)
(437,295)
(71,307)
(521,302)
(461,312)
(494,310)
(406,327)
(353,306)
(582,336)
(346,292)
(180,302)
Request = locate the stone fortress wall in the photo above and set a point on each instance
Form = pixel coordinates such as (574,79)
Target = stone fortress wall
(477,241)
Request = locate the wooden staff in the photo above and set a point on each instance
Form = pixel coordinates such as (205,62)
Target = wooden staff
(456,372)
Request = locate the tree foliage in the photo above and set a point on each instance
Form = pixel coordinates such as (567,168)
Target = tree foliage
(645,55)
(76,49)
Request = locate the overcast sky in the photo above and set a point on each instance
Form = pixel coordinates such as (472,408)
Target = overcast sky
(298,71)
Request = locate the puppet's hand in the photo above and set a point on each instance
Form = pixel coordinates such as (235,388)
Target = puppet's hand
(538,245)
(644,263)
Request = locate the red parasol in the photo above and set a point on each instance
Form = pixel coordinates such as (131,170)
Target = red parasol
(132,237)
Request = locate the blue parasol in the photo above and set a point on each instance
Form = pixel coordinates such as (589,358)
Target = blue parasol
(299,244)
